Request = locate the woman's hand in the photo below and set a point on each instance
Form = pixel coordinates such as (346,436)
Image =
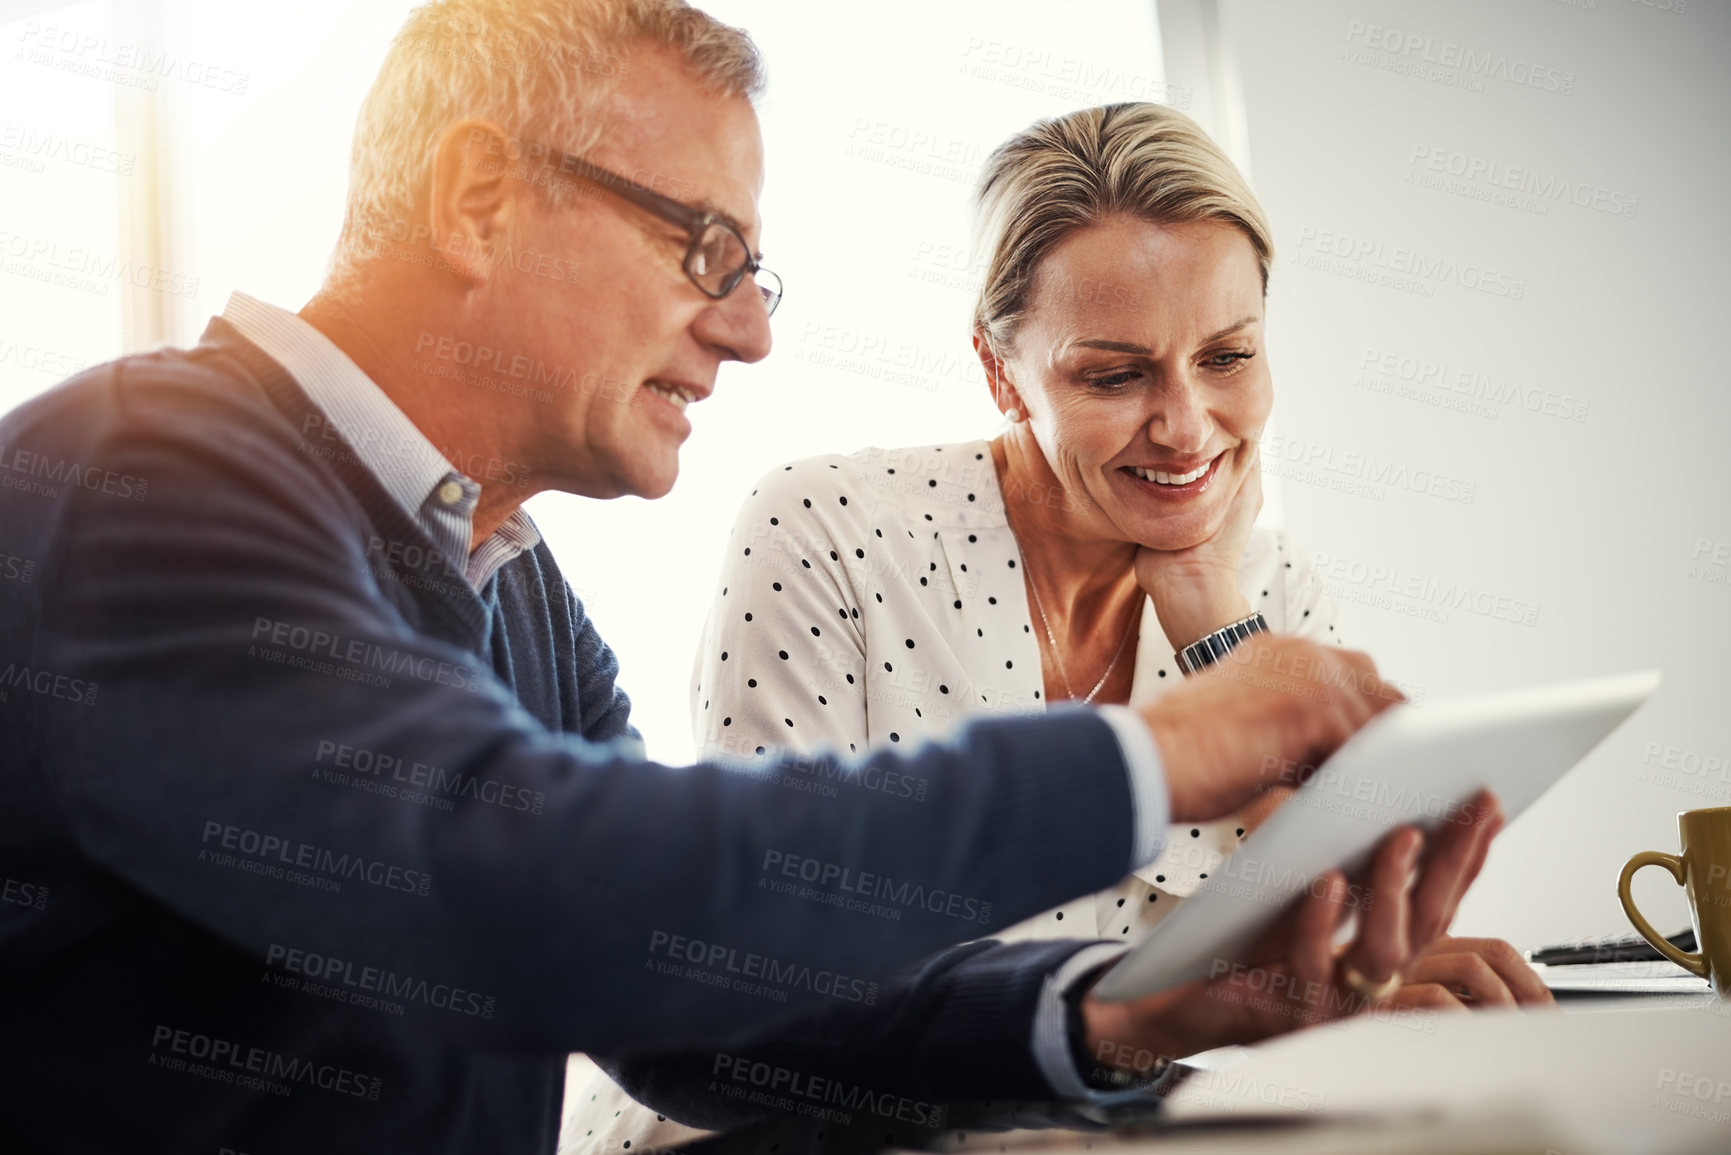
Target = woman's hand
(1195,590)
(1472,972)
(1301,979)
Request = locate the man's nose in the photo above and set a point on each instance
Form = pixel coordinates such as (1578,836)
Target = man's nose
(738,324)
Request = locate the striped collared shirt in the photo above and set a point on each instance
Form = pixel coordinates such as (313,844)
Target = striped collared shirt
(440,498)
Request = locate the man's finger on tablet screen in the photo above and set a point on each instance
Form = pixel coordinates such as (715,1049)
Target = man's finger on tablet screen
(1375,693)
(1328,724)
(1359,662)
(1355,695)
(1351,680)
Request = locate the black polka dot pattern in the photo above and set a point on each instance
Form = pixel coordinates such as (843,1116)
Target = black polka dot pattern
(946,631)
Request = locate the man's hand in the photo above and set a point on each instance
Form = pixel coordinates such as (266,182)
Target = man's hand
(1272,704)
(1296,976)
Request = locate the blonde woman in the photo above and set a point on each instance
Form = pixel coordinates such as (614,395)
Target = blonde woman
(886,595)
(1074,556)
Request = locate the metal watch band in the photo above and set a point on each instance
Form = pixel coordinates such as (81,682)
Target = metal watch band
(1199,655)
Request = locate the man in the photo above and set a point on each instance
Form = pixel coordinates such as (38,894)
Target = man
(333,830)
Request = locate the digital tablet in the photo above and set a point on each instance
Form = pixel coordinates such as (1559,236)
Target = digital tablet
(1410,764)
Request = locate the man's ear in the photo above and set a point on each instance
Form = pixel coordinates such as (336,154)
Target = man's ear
(998,381)
(473,198)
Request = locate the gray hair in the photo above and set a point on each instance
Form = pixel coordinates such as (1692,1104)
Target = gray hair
(541,70)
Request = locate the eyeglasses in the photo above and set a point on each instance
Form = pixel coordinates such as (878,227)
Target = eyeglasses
(717,258)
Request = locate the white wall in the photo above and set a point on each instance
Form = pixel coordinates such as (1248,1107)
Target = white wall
(64,176)
(1590,527)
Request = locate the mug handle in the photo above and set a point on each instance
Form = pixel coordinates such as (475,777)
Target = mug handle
(1695,964)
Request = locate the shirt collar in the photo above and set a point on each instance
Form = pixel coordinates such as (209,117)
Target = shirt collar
(411,469)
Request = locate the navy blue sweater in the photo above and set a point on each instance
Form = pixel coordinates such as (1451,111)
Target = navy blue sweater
(307,846)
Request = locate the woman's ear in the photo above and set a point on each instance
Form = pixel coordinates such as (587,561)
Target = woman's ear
(1004,396)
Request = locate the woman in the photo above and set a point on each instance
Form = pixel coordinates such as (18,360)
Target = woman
(883,596)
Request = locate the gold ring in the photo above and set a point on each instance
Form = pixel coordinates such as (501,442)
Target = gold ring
(1363,987)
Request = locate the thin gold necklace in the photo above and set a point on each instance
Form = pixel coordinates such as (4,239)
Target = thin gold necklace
(1059,658)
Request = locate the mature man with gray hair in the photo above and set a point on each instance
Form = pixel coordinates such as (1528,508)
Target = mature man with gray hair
(325,827)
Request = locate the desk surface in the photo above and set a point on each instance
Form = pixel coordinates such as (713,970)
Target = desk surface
(1489,1133)
(1633,1076)
(1623,1076)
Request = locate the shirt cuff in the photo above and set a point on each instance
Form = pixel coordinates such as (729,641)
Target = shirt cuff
(1148,794)
(1051,1040)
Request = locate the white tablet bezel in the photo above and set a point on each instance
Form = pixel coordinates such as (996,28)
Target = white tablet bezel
(1410,764)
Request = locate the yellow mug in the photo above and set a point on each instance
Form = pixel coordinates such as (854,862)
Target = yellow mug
(1703,870)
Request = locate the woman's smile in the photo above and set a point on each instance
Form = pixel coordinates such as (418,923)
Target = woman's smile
(1170,484)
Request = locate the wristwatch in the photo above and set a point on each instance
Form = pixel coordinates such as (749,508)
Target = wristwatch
(1199,655)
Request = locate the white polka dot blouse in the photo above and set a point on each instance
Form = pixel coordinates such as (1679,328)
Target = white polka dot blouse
(878,598)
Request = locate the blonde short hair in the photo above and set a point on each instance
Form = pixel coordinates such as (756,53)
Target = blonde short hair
(1059,175)
(540,69)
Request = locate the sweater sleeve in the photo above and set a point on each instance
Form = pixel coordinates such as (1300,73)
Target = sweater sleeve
(253,672)
(955,1027)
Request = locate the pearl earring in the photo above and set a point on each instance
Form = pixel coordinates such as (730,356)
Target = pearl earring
(1013,414)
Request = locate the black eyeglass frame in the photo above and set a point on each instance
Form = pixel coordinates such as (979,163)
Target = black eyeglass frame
(694,220)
